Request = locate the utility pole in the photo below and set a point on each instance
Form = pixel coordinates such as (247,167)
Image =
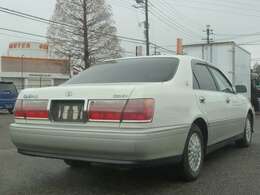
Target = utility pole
(147,28)
(209,32)
(22,70)
(209,39)
(146,23)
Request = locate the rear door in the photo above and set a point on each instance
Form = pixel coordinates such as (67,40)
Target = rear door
(211,102)
(235,122)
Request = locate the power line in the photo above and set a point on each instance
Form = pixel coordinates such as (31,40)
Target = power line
(46,37)
(171,26)
(249,44)
(19,37)
(22,16)
(166,16)
(165,19)
(163,48)
(169,5)
(168,22)
(253,42)
(138,41)
(182,4)
(248,3)
(226,4)
(169,12)
(240,35)
(183,16)
(39,19)
(123,5)
(24,33)
(236,36)
(33,17)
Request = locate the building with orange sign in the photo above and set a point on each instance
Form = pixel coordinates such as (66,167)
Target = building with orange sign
(28,65)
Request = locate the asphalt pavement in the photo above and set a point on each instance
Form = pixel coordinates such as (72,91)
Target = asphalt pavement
(230,170)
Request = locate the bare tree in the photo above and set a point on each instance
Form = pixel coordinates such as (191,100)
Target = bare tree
(83,30)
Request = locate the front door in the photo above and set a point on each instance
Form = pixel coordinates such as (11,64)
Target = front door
(235,123)
(211,102)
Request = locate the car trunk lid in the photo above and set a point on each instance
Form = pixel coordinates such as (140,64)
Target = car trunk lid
(86,92)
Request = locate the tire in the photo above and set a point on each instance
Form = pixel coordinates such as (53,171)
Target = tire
(11,111)
(193,155)
(247,135)
(76,163)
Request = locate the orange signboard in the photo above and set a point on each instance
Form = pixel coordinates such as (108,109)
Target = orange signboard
(27,45)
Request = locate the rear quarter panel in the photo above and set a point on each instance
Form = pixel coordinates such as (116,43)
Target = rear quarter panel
(175,103)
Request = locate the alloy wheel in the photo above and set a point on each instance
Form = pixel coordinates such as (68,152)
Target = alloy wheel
(194,152)
(248,131)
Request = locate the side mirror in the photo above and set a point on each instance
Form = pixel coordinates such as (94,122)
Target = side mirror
(241,89)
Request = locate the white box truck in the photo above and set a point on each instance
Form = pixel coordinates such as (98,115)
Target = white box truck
(229,57)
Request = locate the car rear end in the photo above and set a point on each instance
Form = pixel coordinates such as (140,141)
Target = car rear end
(8,95)
(116,122)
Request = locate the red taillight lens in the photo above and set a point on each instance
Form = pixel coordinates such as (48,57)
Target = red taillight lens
(140,110)
(136,110)
(31,109)
(105,110)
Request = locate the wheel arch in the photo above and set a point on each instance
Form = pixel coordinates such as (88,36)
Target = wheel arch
(202,124)
(251,114)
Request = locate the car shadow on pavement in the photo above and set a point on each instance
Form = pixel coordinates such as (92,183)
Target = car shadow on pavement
(223,153)
(101,179)
(107,180)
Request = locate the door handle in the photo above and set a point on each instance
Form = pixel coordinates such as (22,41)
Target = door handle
(202,100)
(228,100)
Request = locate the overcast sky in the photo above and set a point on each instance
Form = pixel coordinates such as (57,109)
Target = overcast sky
(169,19)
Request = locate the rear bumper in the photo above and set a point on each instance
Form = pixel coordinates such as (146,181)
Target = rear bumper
(125,163)
(148,146)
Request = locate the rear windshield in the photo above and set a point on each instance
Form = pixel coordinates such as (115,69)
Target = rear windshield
(7,87)
(129,70)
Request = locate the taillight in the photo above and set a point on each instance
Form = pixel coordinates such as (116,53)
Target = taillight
(135,110)
(31,109)
(105,110)
(139,110)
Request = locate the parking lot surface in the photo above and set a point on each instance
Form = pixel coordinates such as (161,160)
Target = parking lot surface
(230,170)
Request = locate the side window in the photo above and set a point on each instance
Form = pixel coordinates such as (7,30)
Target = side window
(204,77)
(195,82)
(221,80)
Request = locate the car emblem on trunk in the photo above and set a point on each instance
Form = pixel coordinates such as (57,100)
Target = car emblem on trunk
(68,94)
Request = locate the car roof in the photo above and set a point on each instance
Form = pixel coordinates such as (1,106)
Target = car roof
(181,57)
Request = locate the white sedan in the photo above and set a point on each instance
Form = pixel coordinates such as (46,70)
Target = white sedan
(135,111)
